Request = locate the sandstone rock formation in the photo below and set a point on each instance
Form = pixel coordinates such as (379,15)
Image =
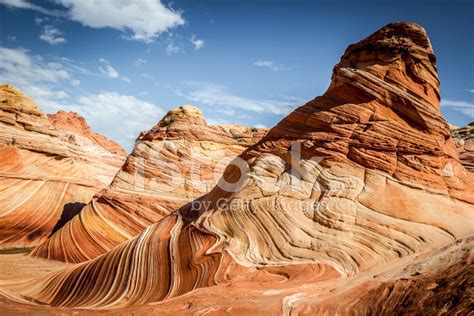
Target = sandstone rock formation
(73,122)
(178,160)
(345,196)
(463,138)
(46,174)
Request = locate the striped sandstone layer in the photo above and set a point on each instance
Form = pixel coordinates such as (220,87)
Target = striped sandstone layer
(178,160)
(73,122)
(46,174)
(374,184)
(463,138)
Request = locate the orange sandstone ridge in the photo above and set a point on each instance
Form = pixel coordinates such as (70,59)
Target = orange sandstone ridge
(73,122)
(46,174)
(178,160)
(354,202)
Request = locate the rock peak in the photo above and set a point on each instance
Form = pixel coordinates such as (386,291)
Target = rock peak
(74,122)
(184,113)
(13,100)
(400,36)
(396,67)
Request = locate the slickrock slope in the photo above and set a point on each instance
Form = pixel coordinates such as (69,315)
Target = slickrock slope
(178,160)
(389,191)
(46,174)
(433,282)
(463,138)
(73,122)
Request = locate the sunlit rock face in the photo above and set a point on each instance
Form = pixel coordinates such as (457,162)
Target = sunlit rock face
(463,138)
(359,183)
(392,183)
(46,174)
(73,122)
(178,160)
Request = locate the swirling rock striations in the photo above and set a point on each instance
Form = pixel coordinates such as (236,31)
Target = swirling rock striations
(463,138)
(363,178)
(175,162)
(46,174)
(389,182)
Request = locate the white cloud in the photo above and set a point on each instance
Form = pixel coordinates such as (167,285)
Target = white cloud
(75,83)
(459,106)
(219,96)
(52,35)
(470,90)
(260,126)
(23,4)
(108,70)
(217,121)
(173,48)
(139,62)
(145,19)
(36,77)
(270,65)
(119,117)
(198,43)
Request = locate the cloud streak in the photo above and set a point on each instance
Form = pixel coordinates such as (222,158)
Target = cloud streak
(26,5)
(108,71)
(269,64)
(220,97)
(459,106)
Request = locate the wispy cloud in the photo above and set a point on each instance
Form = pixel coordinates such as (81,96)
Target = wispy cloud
(464,107)
(173,48)
(139,62)
(52,35)
(110,72)
(26,5)
(40,79)
(198,43)
(220,97)
(470,90)
(270,65)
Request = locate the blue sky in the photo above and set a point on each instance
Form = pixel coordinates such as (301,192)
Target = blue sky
(123,64)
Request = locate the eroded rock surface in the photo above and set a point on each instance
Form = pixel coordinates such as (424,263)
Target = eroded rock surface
(73,122)
(178,160)
(46,174)
(463,138)
(360,181)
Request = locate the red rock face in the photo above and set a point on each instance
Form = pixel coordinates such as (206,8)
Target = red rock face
(339,202)
(463,138)
(178,160)
(73,122)
(46,174)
